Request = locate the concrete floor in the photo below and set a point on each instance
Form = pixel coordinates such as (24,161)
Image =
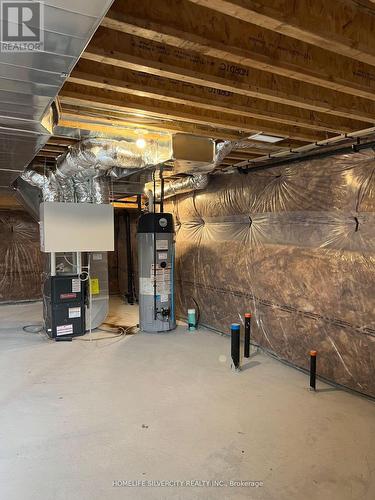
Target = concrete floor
(75,417)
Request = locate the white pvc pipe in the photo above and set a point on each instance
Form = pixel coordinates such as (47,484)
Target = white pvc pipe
(79,262)
(53,264)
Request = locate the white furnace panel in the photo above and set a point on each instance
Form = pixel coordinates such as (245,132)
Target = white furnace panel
(76,227)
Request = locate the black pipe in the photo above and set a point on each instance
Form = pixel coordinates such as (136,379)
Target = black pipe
(161,190)
(155,311)
(129,257)
(247,335)
(235,345)
(313,370)
(301,156)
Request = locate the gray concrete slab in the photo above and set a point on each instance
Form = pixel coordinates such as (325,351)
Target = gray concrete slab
(77,417)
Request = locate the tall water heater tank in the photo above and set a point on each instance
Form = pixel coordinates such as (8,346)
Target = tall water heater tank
(156,272)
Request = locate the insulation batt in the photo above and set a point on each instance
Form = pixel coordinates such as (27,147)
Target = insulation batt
(294,245)
(20,257)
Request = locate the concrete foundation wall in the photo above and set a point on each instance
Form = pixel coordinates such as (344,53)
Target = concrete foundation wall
(20,257)
(295,246)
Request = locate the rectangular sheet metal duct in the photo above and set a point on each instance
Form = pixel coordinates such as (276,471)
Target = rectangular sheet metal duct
(30,81)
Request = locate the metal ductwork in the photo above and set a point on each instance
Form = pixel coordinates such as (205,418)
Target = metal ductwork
(203,160)
(47,184)
(183,185)
(91,164)
(29,196)
(30,81)
(105,154)
(83,174)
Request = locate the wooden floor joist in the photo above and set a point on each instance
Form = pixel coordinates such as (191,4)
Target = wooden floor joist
(82,95)
(54,149)
(214,34)
(112,123)
(341,26)
(144,85)
(303,70)
(43,153)
(137,54)
(56,140)
(114,126)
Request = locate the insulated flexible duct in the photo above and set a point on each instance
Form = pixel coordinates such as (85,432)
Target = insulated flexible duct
(196,181)
(183,185)
(47,184)
(105,154)
(83,174)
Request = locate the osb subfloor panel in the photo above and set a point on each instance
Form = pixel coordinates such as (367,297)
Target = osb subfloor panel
(75,417)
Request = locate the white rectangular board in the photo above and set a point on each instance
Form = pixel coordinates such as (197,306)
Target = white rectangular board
(76,227)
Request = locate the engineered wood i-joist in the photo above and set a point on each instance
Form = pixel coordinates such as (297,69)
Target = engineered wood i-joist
(138,54)
(83,95)
(186,25)
(342,26)
(143,85)
(82,118)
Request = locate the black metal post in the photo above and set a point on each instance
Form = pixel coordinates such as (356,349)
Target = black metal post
(129,257)
(313,370)
(161,189)
(235,345)
(247,335)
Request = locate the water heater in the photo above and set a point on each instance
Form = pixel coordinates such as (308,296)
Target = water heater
(156,272)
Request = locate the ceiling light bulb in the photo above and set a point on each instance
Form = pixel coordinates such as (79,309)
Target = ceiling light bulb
(141,143)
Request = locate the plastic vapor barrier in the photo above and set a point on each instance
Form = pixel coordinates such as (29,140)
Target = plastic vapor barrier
(295,246)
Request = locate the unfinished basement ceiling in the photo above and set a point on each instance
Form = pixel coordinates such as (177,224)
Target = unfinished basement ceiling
(30,81)
(302,71)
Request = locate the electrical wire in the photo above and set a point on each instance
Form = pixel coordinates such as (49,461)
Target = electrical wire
(33,328)
(122,332)
(70,263)
(86,272)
